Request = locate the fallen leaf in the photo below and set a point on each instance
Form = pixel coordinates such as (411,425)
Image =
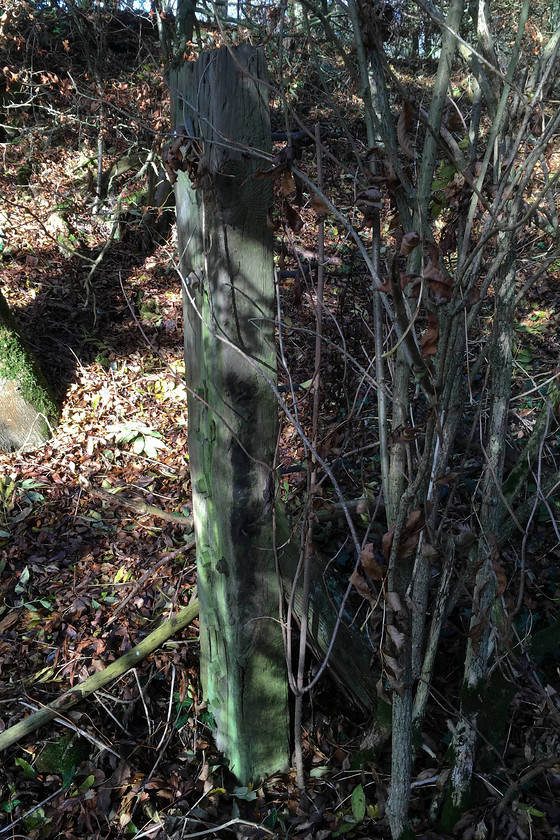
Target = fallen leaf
(429,551)
(281,162)
(501,579)
(369,202)
(391,665)
(405,434)
(382,692)
(9,620)
(441,287)
(287,183)
(383,287)
(448,478)
(464,541)
(387,542)
(437,280)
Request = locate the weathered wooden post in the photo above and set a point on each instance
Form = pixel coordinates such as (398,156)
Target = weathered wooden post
(220,114)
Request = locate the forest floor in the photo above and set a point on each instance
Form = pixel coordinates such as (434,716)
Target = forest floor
(85,576)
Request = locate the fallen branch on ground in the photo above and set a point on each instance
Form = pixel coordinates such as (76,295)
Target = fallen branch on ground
(92,684)
(136,504)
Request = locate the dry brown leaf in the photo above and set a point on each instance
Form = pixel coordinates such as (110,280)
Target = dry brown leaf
(409,242)
(437,280)
(476,632)
(403,125)
(369,202)
(441,287)
(281,162)
(396,636)
(273,173)
(409,537)
(295,222)
(433,254)
(447,479)
(405,434)
(429,341)
(8,620)
(372,567)
(501,579)
(383,287)
(387,542)
(287,183)
(361,586)
(391,665)
(411,284)
(398,687)
(464,541)
(319,206)
(382,692)
(448,239)
(473,170)
(429,552)
(411,534)
(323,504)
(368,197)
(394,601)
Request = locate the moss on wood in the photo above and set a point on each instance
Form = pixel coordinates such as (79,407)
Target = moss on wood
(28,410)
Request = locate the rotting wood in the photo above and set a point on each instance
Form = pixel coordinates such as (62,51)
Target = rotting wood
(350,663)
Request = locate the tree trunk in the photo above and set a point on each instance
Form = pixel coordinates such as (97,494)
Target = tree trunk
(228,290)
(28,411)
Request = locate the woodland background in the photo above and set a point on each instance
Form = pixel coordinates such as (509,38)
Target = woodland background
(416,232)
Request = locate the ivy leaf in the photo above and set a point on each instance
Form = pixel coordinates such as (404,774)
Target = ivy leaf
(358,803)
(28,770)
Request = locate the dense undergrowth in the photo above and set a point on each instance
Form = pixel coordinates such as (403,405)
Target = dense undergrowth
(85,577)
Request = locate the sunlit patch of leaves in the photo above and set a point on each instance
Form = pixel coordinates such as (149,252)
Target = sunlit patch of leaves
(142,439)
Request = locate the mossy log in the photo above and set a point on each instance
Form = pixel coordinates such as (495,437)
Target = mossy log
(28,410)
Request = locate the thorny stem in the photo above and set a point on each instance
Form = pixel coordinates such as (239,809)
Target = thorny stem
(318,314)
